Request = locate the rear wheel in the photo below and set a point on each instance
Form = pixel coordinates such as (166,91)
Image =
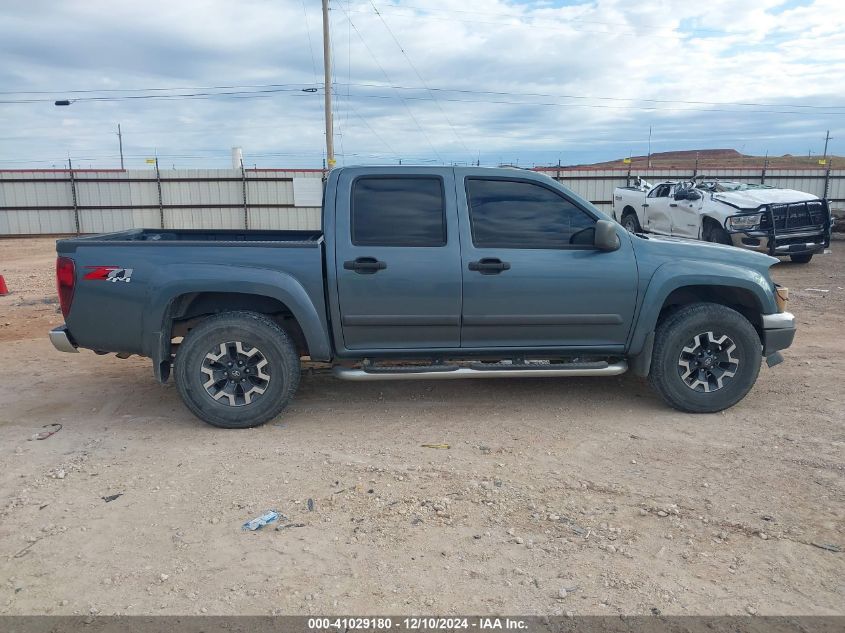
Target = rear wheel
(706,358)
(630,222)
(237,370)
(801,259)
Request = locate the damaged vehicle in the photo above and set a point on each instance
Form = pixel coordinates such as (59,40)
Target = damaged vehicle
(778,222)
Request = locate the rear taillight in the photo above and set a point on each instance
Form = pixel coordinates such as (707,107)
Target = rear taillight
(65,281)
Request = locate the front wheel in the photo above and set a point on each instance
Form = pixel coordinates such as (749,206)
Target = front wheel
(706,358)
(631,223)
(237,370)
(717,235)
(801,259)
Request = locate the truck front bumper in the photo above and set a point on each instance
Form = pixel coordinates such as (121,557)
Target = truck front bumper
(799,228)
(783,245)
(778,332)
(61,340)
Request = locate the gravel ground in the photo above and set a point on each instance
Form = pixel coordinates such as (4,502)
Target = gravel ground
(583,495)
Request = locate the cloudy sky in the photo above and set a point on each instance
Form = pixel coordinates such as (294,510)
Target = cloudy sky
(425,81)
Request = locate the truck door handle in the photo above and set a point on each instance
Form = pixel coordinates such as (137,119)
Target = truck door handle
(365,265)
(645,205)
(489,266)
(673,204)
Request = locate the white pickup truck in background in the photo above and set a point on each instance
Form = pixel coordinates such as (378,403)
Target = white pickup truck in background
(779,222)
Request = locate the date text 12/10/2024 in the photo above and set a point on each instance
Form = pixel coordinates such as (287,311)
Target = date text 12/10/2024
(416,623)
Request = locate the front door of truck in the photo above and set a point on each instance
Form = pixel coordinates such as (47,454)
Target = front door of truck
(686,212)
(531,275)
(397,259)
(656,207)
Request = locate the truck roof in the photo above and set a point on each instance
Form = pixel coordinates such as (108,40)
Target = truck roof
(500,171)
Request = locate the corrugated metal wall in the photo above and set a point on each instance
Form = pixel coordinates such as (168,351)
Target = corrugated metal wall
(54,201)
(51,202)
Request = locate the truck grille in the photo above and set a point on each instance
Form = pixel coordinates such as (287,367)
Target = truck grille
(797,215)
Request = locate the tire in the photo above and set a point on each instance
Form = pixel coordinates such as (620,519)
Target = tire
(698,327)
(237,370)
(717,235)
(630,222)
(801,259)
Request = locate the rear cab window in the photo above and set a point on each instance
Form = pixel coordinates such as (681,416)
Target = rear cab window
(398,211)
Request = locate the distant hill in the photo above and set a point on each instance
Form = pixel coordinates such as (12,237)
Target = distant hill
(712,159)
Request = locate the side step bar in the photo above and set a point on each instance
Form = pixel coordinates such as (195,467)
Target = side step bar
(475,371)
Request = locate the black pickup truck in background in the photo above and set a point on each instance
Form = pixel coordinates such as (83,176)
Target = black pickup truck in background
(426,273)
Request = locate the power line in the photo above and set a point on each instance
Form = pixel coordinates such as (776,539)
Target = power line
(600,98)
(373,130)
(159,89)
(310,43)
(268,93)
(274,88)
(348,68)
(241,94)
(419,76)
(333,88)
(598,106)
(386,76)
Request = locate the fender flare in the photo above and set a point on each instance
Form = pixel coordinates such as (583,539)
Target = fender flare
(676,274)
(175,281)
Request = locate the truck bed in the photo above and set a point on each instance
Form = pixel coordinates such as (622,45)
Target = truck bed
(183,237)
(160,272)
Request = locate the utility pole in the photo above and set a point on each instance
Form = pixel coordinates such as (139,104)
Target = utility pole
(327,69)
(120,142)
(826,141)
(765,167)
(649,147)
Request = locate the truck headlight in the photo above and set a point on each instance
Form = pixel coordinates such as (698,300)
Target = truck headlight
(743,222)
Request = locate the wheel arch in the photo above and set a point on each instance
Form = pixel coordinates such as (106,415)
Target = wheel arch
(708,220)
(188,309)
(176,303)
(742,300)
(676,284)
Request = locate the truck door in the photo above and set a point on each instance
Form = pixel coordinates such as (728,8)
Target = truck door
(686,214)
(656,207)
(531,275)
(397,258)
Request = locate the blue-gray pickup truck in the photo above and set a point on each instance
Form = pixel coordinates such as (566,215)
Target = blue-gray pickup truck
(424,273)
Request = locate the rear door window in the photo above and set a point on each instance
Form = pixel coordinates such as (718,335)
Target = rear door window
(403,211)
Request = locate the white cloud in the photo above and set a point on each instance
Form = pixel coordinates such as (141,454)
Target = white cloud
(483,58)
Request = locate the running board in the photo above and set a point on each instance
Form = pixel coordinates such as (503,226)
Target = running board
(499,371)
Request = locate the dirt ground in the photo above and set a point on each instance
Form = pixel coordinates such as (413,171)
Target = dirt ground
(583,495)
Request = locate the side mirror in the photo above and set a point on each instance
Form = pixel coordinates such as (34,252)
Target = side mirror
(606,238)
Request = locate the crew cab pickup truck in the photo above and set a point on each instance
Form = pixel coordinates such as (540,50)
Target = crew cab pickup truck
(778,222)
(424,273)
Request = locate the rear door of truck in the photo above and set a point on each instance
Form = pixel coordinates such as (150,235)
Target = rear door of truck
(398,258)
